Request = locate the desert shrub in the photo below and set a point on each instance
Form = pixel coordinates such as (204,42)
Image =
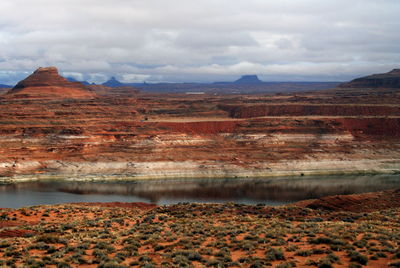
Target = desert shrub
(303,253)
(381,255)
(279,242)
(394,264)
(274,254)
(358,257)
(189,254)
(397,253)
(317,251)
(257,264)
(213,262)
(159,247)
(120,256)
(51,250)
(63,265)
(148,265)
(13,253)
(100,255)
(292,248)
(105,246)
(34,263)
(66,226)
(360,243)
(4,244)
(181,260)
(332,257)
(355,265)
(111,264)
(286,265)
(50,239)
(324,263)
(145,258)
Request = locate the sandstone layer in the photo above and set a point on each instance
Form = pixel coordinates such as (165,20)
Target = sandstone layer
(140,135)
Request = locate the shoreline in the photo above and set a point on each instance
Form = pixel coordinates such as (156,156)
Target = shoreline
(128,171)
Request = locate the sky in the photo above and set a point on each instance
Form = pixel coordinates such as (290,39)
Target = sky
(199,41)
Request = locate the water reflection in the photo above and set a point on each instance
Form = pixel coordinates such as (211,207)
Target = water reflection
(272,191)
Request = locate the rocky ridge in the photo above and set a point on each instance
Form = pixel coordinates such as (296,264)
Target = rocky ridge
(385,80)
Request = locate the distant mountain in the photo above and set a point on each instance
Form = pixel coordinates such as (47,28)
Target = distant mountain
(246,84)
(244,80)
(71,79)
(113,82)
(5,86)
(248,80)
(385,80)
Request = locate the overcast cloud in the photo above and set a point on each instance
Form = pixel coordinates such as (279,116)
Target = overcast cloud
(207,40)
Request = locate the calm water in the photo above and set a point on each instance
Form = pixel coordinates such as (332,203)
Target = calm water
(271,191)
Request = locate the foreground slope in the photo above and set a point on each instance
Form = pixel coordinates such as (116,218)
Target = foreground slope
(315,233)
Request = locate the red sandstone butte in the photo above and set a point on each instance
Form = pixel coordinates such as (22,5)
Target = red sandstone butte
(48,84)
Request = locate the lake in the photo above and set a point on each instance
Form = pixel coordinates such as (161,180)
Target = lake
(270,191)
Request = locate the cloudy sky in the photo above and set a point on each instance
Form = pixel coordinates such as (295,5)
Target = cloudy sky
(202,41)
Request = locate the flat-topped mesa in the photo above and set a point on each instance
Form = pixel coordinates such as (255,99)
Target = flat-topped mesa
(249,79)
(386,80)
(47,82)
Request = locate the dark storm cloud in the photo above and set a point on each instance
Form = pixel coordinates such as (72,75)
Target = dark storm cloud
(208,40)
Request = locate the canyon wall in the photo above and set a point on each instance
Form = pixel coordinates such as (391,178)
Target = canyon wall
(249,111)
(50,127)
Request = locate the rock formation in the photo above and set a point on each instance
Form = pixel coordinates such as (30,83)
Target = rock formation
(249,111)
(86,83)
(249,80)
(52,126)
(47,83)
(113,82)
(386,80)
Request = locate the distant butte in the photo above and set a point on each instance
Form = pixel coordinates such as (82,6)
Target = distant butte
(385,80)
(47,83)
(249,79)
(113,82)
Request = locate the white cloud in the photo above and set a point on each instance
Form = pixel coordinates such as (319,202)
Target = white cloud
(204,40)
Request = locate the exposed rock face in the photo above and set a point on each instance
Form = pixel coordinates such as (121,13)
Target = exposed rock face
(45,77)
(178,135)
(386,80)
(47,83)
(249,111)
(249,80)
